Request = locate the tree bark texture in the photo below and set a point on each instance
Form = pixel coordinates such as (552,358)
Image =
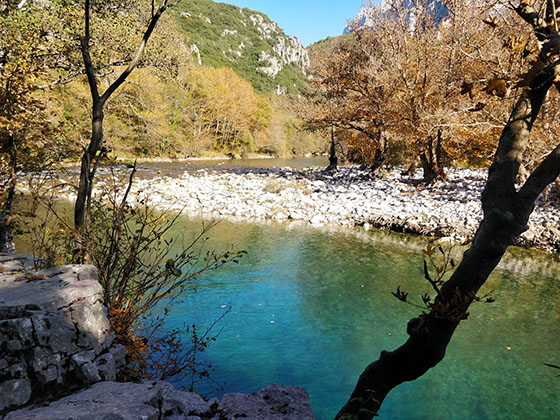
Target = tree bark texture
(432,159)
(6,227)
(380,153)
(506,213)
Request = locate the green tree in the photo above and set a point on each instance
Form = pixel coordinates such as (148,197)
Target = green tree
(95,150)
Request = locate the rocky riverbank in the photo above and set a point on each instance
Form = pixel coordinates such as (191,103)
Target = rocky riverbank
(348,197)
(58,360)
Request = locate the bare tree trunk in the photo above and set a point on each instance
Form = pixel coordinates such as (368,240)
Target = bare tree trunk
(87,173)
(333,159)
(6,228)
(380,153)
(432,160)
(506,212)
(441,155)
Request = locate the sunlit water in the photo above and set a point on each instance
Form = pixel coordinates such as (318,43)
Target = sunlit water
(312,308)
(178,167)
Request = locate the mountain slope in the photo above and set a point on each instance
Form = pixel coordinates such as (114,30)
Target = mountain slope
(436,8)
(223,35)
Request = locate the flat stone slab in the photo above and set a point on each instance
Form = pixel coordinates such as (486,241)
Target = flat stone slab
(49,289)
(104,400)
(160,401)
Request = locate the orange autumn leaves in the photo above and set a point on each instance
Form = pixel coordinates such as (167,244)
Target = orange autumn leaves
(413,78)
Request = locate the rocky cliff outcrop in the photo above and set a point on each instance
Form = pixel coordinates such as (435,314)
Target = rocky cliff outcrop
(409,10)
(245,40)
(286,49)
(54,333)
(56,342)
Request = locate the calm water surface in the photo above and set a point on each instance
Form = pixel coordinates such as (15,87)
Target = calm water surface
(312,308)
(177,168)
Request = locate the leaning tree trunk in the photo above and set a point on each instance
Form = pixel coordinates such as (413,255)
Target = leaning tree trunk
(506,212)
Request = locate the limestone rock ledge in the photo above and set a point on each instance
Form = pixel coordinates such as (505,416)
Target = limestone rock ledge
(159,400)
(55,339)
(54,331)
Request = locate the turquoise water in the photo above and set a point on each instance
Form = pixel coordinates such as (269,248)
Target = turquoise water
(312,308)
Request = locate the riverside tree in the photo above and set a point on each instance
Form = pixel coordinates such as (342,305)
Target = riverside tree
(348,98)
(506,208)
(95,150)
(420,87)
(29,139)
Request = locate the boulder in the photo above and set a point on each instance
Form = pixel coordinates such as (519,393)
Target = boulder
(274,402)
(54,331)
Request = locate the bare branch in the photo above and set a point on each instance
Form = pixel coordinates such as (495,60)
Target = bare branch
(534,18)
(544,174)
(140,50)
(88,64)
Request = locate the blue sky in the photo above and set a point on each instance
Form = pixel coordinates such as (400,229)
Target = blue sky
(309,20)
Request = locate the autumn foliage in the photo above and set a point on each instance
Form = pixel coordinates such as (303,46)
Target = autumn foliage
(420,90)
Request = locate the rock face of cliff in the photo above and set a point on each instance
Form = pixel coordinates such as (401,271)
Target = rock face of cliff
(54,333)
(365,19)
(247,41)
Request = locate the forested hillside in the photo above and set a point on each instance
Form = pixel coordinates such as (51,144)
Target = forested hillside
(171,106)
(223,35)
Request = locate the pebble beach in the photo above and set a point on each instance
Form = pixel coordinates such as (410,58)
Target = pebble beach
(348,197)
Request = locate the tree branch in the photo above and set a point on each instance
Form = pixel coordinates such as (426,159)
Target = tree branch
(88,64)
(544,174)
(140,50)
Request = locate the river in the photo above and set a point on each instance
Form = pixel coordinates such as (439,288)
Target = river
(312,307)
(176,168)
